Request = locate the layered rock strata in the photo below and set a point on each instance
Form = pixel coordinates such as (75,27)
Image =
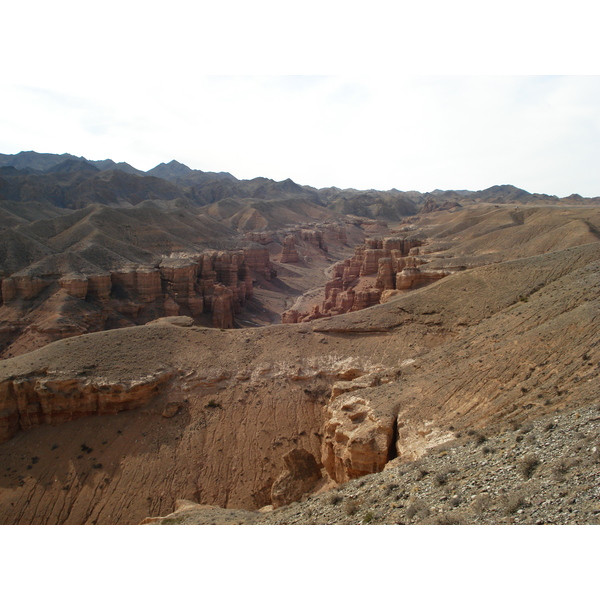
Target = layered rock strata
(220,281)
(393,261)
(40,398)
(358,434)
(289,254)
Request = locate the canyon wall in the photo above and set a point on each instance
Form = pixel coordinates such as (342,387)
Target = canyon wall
(214,282)
(315,236)
(378,268)
(40,398)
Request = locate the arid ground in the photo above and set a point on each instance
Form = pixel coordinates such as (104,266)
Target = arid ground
(144,382)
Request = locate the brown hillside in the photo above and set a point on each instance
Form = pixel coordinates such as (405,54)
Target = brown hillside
(487,348)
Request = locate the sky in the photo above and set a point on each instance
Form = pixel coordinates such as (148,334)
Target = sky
(440,96)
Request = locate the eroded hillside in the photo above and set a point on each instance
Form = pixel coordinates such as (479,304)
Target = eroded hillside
(115,426)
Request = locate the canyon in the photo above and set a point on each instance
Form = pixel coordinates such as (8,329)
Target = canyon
(265,351)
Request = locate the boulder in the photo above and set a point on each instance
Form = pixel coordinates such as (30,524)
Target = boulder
(298,479)
(358,438)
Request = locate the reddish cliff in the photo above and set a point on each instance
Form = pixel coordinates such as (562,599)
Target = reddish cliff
(49,304)
(289,254)
(393,261)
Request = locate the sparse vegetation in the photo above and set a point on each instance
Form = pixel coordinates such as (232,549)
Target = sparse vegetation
(528,465)
(448,519)
(441,479)
(335,499)
(513,502)
(417,508)
(352,507)
(368,518)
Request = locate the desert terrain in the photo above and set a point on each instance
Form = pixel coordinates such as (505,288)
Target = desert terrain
(186,347)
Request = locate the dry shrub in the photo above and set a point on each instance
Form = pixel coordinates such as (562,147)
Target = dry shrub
(481,502)
(560,470)
(335,499)
(352,507)
(449,519)
(417,508)
(528,465)
(513,502)
(441,479)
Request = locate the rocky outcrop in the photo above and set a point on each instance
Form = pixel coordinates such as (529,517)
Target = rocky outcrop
(257,259)
(314,237)
(260,237)
(385,274)
(23,286)
(298,479)
(392,260)
(74,285)
(290,316)
(335,232)
(99,287)
(358,436)
(289,254)
(177,285)
(29,401)
(222,307)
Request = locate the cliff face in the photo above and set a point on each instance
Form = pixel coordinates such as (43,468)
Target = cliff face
(216,284)
(249,428)
(289,254)
(395,263)
(44,398)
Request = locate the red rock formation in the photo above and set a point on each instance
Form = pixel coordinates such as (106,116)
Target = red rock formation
(177,274)
(358,437)
(260,237)
(257,259)
(314,237)
(27,402)
(332,286)
(289,254)
(23,286)
(366,298)
(412,277)
(385,274)
(179,286)
(290,316)
(76,286)
(337,232)
(99,287)
(222,307)
(148,283)
(388,258)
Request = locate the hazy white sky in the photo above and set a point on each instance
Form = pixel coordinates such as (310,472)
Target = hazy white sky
(138,82)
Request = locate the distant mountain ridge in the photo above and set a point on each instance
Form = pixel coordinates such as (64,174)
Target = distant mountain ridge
(30,175)
(43,163)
